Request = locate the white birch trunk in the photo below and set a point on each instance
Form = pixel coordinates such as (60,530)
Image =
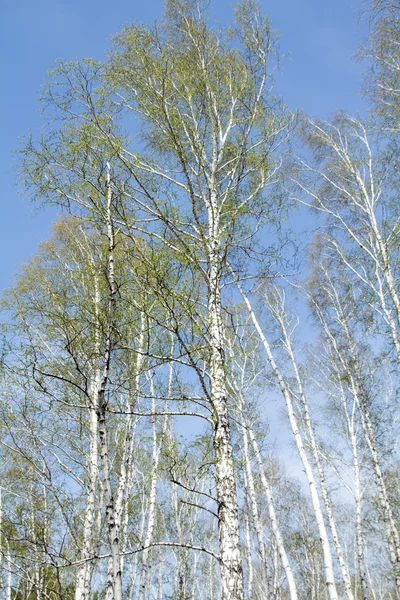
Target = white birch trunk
(114,584)
(211,577)
(251,493)
(9,578)
(190,581)
(232,587)
(133,571)
(126,469)
(391,527)
(387,270)
(352,432)
(353,373)
(276,588)
(35,578)
(249,558)
(84,572)
(362,571)
(387,313)
(145,571)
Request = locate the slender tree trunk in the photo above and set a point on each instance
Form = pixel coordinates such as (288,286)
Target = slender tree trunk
(276,586)
(83,576)
(387,271)
(248,556)
(211,577)
(232,587)
(145,572)
(387,313)
(126,469)
(352,370)
(114,584)
(359,529)
(133,571)
(351,427)
(190,581)
(34,578)
(393,537)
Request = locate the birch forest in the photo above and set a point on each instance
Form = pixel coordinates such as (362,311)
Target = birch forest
(200,387)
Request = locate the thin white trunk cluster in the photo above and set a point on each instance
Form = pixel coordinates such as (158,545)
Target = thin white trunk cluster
(325,543)
(239,386)
(145,577)
(278,309)
(348,363)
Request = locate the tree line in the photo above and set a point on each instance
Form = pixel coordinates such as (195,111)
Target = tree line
(171,333)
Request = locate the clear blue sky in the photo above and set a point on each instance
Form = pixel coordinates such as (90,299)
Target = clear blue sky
(318,39)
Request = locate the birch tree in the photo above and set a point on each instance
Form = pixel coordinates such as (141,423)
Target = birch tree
(211,126)
(350,185)
(209,117)
(335,300)
(383,77)
(62,327)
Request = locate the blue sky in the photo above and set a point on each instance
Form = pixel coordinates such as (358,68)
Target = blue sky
(317,39)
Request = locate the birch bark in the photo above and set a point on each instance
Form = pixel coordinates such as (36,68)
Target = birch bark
(114,584)
(210,123)
(145,571)
(125,475)
(83,576)
(156,451)
(232,587)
